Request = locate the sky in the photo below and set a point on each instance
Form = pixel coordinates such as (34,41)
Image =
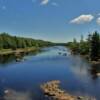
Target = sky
(53,20)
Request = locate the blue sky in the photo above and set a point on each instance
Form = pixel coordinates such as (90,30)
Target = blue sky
(54,20)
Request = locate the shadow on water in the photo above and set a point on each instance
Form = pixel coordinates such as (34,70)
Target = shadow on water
(95,71)
(6,59)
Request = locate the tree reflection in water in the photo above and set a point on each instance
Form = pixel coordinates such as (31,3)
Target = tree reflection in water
(95,71)
(5,59)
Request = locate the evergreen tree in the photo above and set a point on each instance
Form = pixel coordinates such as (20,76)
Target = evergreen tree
(13,42)
(95,47)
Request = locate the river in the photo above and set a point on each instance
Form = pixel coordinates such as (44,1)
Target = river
(77,76)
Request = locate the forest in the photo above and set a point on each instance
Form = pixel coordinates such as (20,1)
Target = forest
(89,47)
(13,42)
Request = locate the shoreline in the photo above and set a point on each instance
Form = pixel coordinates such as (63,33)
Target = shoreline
(18,51)
(86,56)
(90,61)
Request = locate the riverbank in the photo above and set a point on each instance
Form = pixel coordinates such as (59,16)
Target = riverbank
(86,56)
(18,51)
(53,91)
(90,61)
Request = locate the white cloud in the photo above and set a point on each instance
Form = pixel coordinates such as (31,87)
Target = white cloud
(98,21)
(44,2)
(50,2)
(54,4)
(83,19)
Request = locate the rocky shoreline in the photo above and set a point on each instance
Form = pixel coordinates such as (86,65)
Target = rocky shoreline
(52,90)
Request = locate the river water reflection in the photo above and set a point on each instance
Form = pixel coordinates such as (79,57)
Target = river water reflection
(77,76)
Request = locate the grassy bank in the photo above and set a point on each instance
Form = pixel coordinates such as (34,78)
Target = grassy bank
(13,44)
(17,51)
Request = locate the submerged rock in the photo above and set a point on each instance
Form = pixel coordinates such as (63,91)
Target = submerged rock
(65,54)
(6,91)
(14,95)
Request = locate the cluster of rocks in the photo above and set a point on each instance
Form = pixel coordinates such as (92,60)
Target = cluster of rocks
(52,90)
(63,54)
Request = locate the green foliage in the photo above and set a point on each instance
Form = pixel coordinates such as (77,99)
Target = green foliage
(13,42)
(74,46)
(95,46)
(84,48)
(90,47)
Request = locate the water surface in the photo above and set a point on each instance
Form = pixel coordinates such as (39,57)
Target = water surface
(77,76)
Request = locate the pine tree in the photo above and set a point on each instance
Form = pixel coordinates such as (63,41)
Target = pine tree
(95,47)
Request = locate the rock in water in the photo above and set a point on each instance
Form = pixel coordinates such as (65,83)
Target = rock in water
(52,90)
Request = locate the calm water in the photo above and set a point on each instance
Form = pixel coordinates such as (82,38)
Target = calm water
(24,78)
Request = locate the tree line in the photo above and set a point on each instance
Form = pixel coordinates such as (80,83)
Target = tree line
(13,42)
(89,47)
